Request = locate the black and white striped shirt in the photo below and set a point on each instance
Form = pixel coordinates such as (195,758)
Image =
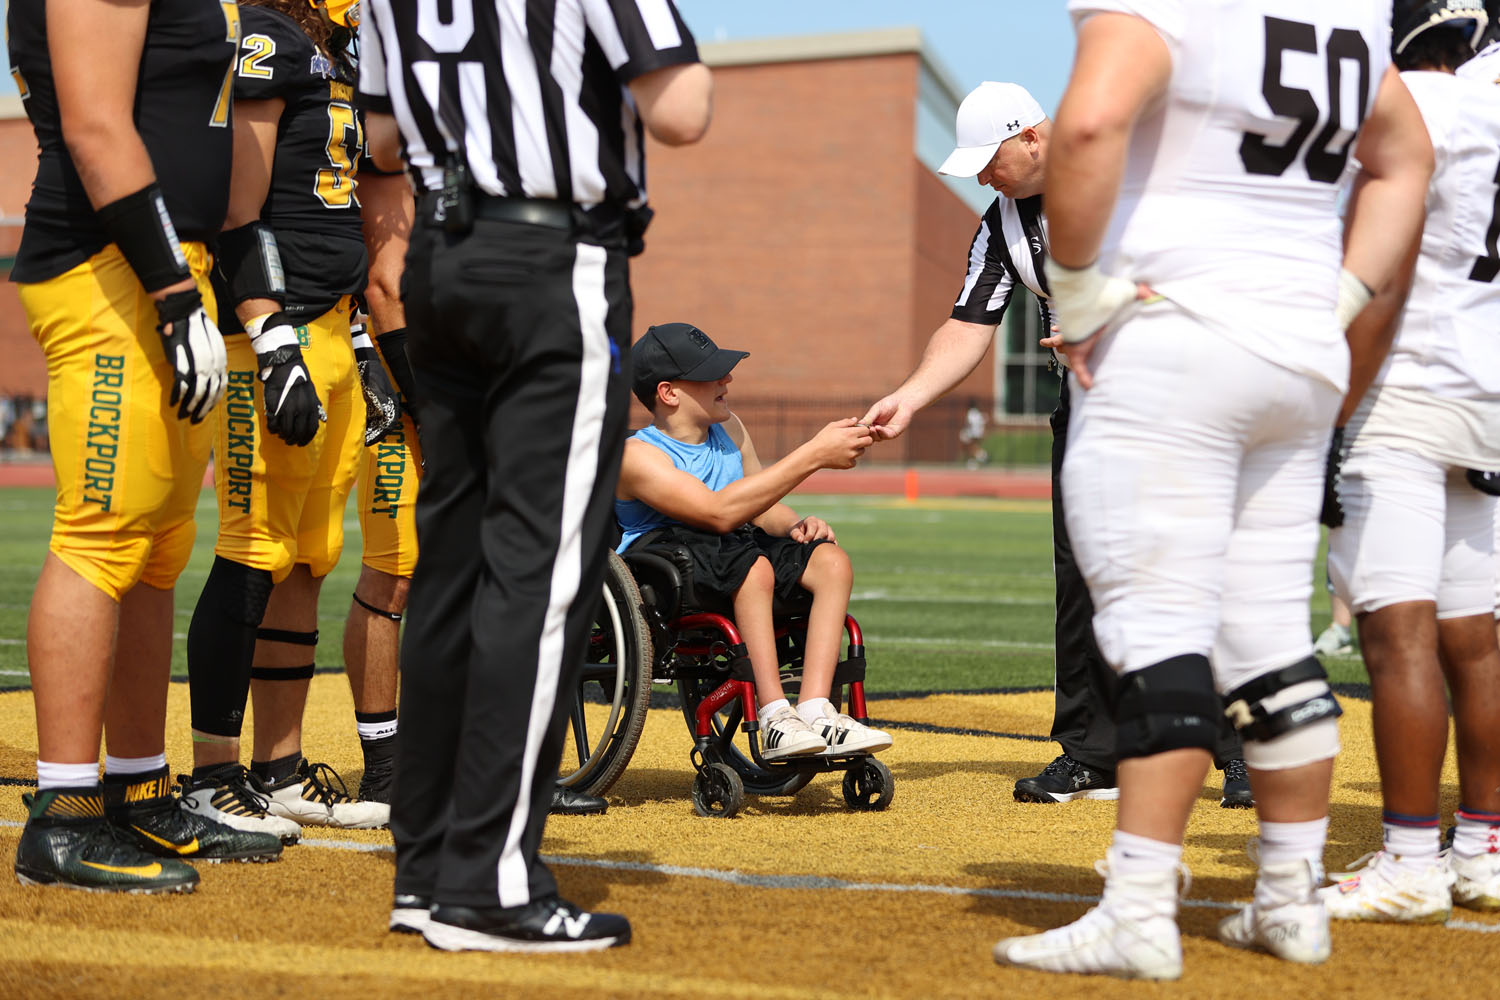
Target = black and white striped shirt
(531,93)
(1010,247)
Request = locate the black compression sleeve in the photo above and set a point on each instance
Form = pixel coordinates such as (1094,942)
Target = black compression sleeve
(140,226)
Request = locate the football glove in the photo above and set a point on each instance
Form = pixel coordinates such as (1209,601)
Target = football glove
(382,410)
(1487,483)
(194,349)
(1332,513)
(293,410)
(1086,299)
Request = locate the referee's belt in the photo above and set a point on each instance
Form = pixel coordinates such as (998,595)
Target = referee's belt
(602,220)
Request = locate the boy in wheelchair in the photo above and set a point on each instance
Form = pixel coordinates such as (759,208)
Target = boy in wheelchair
(692,477)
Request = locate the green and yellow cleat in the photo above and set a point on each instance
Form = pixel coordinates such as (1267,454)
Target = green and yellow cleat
(143,808)
(68,842)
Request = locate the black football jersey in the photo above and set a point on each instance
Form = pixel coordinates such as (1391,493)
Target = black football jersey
(311,206)
(182,111)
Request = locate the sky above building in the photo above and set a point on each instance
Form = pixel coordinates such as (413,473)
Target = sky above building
(1030,43)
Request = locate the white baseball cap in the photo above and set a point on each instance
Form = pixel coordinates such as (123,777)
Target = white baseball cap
(992,113)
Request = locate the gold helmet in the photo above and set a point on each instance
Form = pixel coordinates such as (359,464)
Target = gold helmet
(344,13)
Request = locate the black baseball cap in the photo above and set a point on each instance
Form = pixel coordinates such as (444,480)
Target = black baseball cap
(674,351)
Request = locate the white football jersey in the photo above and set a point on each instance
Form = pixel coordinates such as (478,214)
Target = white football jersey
(1229,205)
(1484,66)
(1448,341)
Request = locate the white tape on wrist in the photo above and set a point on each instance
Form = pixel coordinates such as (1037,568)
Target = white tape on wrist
(264,339)
(1086,299)
(1354,295)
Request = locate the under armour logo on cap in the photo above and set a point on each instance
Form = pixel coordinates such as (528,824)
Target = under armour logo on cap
(1015,125)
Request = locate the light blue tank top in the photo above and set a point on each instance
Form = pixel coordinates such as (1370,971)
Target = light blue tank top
(716,463)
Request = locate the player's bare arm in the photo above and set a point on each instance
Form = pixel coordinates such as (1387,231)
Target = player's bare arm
(255,125)
(953,351)
(95,47)
(1121,68)
(1373,331)
(1386,208)
(647,474)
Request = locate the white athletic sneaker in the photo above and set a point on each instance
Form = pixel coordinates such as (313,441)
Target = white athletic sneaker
(1115,938)
(1387,891)
(1287,918)
(316,796)
(845,735)
(231,795)
(1476,881)
(1335,640)
(784,734)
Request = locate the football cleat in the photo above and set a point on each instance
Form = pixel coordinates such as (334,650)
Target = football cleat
(68,842)
(1287,918)
(144,809)
(231,795)
(1386,890)
(1476,881)
(315,795)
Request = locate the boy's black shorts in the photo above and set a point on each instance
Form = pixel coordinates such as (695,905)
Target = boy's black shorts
(721,562)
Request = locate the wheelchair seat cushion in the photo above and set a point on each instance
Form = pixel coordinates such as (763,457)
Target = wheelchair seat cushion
(720,563)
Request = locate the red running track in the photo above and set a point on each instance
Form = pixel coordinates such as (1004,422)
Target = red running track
(913,483)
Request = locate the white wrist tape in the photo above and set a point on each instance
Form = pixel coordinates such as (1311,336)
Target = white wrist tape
(1086,299)
(1354,295)
(266,337)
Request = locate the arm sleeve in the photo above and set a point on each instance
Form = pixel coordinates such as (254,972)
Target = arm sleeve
(639,36)
(274,55)
(989,283)
(1168,17)
(372,91)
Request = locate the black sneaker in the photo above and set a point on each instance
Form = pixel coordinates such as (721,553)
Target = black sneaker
(1066,779)
(550,924)
(68,842)
(571,802)
(1237,793)
(410,913)
(144,809)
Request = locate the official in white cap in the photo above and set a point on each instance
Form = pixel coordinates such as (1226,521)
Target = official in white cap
(1002,140)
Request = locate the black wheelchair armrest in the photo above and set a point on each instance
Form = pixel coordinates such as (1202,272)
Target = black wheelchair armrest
(664,574)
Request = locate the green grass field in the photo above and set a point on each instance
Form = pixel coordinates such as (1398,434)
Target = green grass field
(951,594)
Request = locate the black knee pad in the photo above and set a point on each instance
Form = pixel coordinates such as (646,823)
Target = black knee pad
(1169,705)
(221,644)
(1247,707)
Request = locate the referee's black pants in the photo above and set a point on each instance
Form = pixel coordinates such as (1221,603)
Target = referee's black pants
(1083,722)
(520,345)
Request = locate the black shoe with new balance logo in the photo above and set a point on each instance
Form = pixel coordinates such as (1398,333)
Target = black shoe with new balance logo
(1237,794)
(550,924)
(144,809)
(68,842)
(1066,779)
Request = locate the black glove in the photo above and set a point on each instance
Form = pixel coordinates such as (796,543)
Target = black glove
(293,410)
(194,349)
(1332,513)
(382,410)
(393,349)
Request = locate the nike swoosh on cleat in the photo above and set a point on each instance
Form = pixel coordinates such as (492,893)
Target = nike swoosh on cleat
(144,871)
(191,847)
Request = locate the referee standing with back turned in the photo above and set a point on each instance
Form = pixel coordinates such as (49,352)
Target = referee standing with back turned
(523,126)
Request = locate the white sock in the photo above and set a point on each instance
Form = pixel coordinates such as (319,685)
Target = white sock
(50,775)
(771,708)
(134,765)
(375,730)
(1412,846)
(1132,854)
(1475,835)
(811,709)
(1284,842)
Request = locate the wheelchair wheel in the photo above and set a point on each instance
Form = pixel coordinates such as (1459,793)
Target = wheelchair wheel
(717,791)
(869,786)
(614,689)
(757,780)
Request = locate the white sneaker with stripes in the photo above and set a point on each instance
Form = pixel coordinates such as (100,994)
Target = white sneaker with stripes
(845,735)
(1476,881)
(784,734)
(1385,890)
(1287,918)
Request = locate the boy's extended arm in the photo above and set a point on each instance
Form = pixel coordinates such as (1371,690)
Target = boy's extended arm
(648,475)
